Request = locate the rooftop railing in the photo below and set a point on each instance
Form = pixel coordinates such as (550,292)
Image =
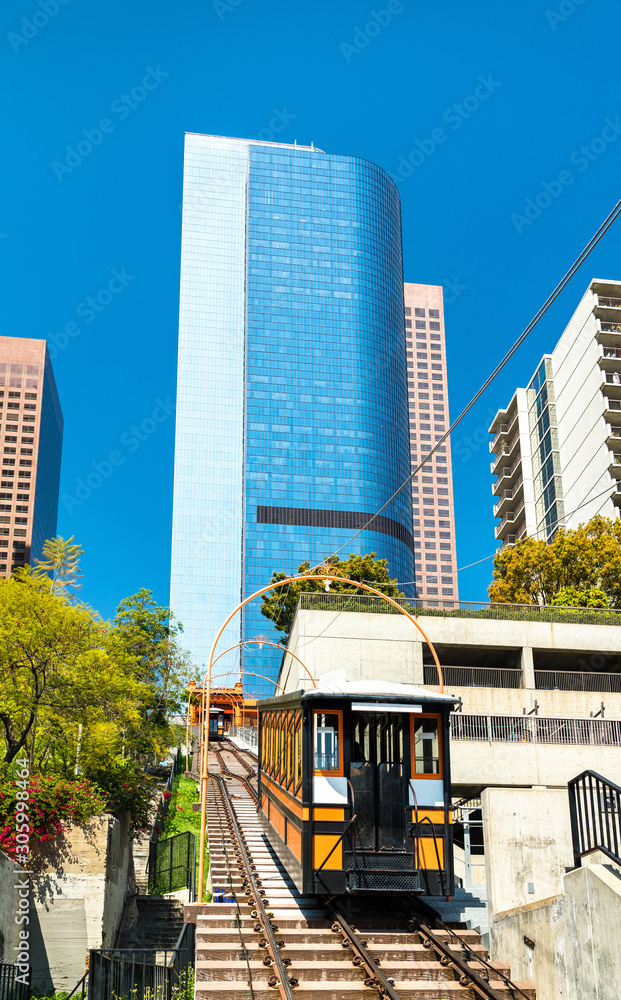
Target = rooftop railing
(368,604)
(535,729)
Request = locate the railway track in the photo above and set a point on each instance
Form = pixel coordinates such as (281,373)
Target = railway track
(271,942)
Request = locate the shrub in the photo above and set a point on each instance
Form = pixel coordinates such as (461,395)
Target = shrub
(52,802)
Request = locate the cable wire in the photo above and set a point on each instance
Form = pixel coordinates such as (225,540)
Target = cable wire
(595,239)
(609,490)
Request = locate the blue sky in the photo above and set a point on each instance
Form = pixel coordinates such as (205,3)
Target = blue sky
(533,82)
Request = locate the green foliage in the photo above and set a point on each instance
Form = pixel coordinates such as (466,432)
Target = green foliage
(83,696)
(52,801)
(587,559)
(573,597)
(61,560)
(280,604)
(181,817)
(126,786)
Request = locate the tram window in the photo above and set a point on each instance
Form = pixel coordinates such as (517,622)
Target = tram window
(298,754)
(290,721)
(426,745)
(327,727)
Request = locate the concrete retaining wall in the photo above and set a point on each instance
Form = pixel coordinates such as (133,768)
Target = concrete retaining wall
(571,951)
(8,907)
(78,890)
(527,835)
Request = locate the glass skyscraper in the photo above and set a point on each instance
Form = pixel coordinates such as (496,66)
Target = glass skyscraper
(292,404)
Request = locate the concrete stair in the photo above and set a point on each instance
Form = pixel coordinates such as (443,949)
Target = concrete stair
(158,925)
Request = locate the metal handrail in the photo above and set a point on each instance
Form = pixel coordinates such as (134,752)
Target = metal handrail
(595,814)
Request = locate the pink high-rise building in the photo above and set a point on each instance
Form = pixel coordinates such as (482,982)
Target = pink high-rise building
(31,432)
(432,488)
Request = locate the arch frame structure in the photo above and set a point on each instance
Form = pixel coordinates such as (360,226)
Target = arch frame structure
(328,575)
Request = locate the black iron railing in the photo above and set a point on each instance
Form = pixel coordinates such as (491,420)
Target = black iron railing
(12,985)
(172,865)
(144,973)
(595,811)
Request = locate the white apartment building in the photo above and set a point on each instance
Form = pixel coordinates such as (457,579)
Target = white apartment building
(557,445)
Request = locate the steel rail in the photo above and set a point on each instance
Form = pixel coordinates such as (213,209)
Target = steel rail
(376,977)
(283,982)
(466,975)
(420,904)
(231,774)
(231,748)
(239,916)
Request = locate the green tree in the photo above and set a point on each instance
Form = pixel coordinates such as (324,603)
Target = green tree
(579,562)
(61,561)
(41,639)
(279,605)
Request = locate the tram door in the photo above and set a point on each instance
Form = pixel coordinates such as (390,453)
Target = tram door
(376,774)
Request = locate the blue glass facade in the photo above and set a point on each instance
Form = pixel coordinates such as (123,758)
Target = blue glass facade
(292,414)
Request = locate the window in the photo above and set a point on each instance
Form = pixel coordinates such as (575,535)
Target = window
(408,324)
(15,395)
(10,451)
(29,406)
(20,520)
(20,531)
(447,579)
(30,395)
(434,314)
(327,743)
(27,418)
(19,545)
(434,326)
(23,496)
(419,312)
(25,451)
(426,745)
(408,311)
(420,325)
(13,406)
(447,592)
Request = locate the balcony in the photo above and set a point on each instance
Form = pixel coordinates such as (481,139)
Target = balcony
(506,475)
(613,438)
(500,434)
(612,410)
(505,453)
(610,358)
(504,431)
(611,385)
(609,334)
(512,539)
(509,519)
(614,464)
(512,494)
(608,302)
